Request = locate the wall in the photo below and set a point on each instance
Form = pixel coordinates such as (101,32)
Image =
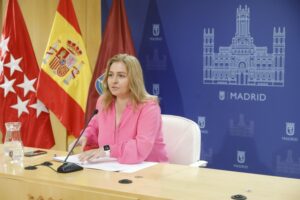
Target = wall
(39,16)
(1,11)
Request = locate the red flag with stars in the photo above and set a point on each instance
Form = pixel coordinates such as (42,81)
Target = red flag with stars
(18,79)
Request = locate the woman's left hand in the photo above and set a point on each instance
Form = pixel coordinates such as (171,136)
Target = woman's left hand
(91,155)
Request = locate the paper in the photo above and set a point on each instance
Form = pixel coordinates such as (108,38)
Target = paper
(106,164)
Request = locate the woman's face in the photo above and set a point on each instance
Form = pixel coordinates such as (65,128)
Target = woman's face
(118,82)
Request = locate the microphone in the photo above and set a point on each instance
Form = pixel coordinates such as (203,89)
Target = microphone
(68,167)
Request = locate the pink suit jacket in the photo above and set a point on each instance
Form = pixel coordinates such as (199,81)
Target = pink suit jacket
(138,136)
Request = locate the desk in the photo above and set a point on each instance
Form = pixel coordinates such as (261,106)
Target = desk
(162,181)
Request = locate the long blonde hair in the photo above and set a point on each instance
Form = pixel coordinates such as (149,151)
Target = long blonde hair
(138,93)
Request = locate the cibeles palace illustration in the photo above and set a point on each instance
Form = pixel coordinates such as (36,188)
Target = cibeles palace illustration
(243,63)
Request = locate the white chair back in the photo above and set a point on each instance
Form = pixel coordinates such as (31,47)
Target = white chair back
(182,137)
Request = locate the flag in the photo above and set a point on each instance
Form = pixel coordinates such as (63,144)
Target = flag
(65,72)
(18,79)
(116,39)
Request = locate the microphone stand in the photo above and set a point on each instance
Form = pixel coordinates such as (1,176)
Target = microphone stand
(68,167)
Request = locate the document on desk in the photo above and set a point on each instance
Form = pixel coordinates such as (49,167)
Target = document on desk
(106,164)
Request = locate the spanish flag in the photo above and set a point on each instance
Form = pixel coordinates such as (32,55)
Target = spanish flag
(65,71)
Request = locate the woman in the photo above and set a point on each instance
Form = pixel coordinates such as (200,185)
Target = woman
(128,118)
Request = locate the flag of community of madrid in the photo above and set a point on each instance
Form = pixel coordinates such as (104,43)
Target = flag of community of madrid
(18,79)
(65,71)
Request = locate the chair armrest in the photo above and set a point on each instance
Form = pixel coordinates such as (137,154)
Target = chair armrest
(199,163)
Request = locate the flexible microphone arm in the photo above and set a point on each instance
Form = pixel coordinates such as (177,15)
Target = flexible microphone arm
(67,167)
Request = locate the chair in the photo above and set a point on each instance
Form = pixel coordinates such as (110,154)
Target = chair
(182,137)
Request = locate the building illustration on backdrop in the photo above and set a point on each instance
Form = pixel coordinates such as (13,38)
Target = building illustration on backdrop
(241,128)
(287,165)
(243,63)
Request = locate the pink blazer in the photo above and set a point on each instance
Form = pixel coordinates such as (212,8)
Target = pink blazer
(137,138)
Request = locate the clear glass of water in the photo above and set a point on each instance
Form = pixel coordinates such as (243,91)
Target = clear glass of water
(13,146)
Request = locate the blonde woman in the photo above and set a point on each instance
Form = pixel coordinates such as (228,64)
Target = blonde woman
(128,118)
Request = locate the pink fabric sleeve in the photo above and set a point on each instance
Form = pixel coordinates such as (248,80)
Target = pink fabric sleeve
(91,132)
(137,150)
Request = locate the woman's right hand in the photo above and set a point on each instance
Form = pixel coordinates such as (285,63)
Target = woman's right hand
(82,142)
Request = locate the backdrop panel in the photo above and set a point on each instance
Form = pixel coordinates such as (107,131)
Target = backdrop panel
(232,66)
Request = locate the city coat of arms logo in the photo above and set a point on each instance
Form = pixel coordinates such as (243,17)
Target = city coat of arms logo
(241,157)
(155,30)
(290,128)
(201,121)
(155,89)
(222,95)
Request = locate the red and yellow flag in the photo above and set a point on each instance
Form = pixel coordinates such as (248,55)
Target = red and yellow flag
(65,71)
